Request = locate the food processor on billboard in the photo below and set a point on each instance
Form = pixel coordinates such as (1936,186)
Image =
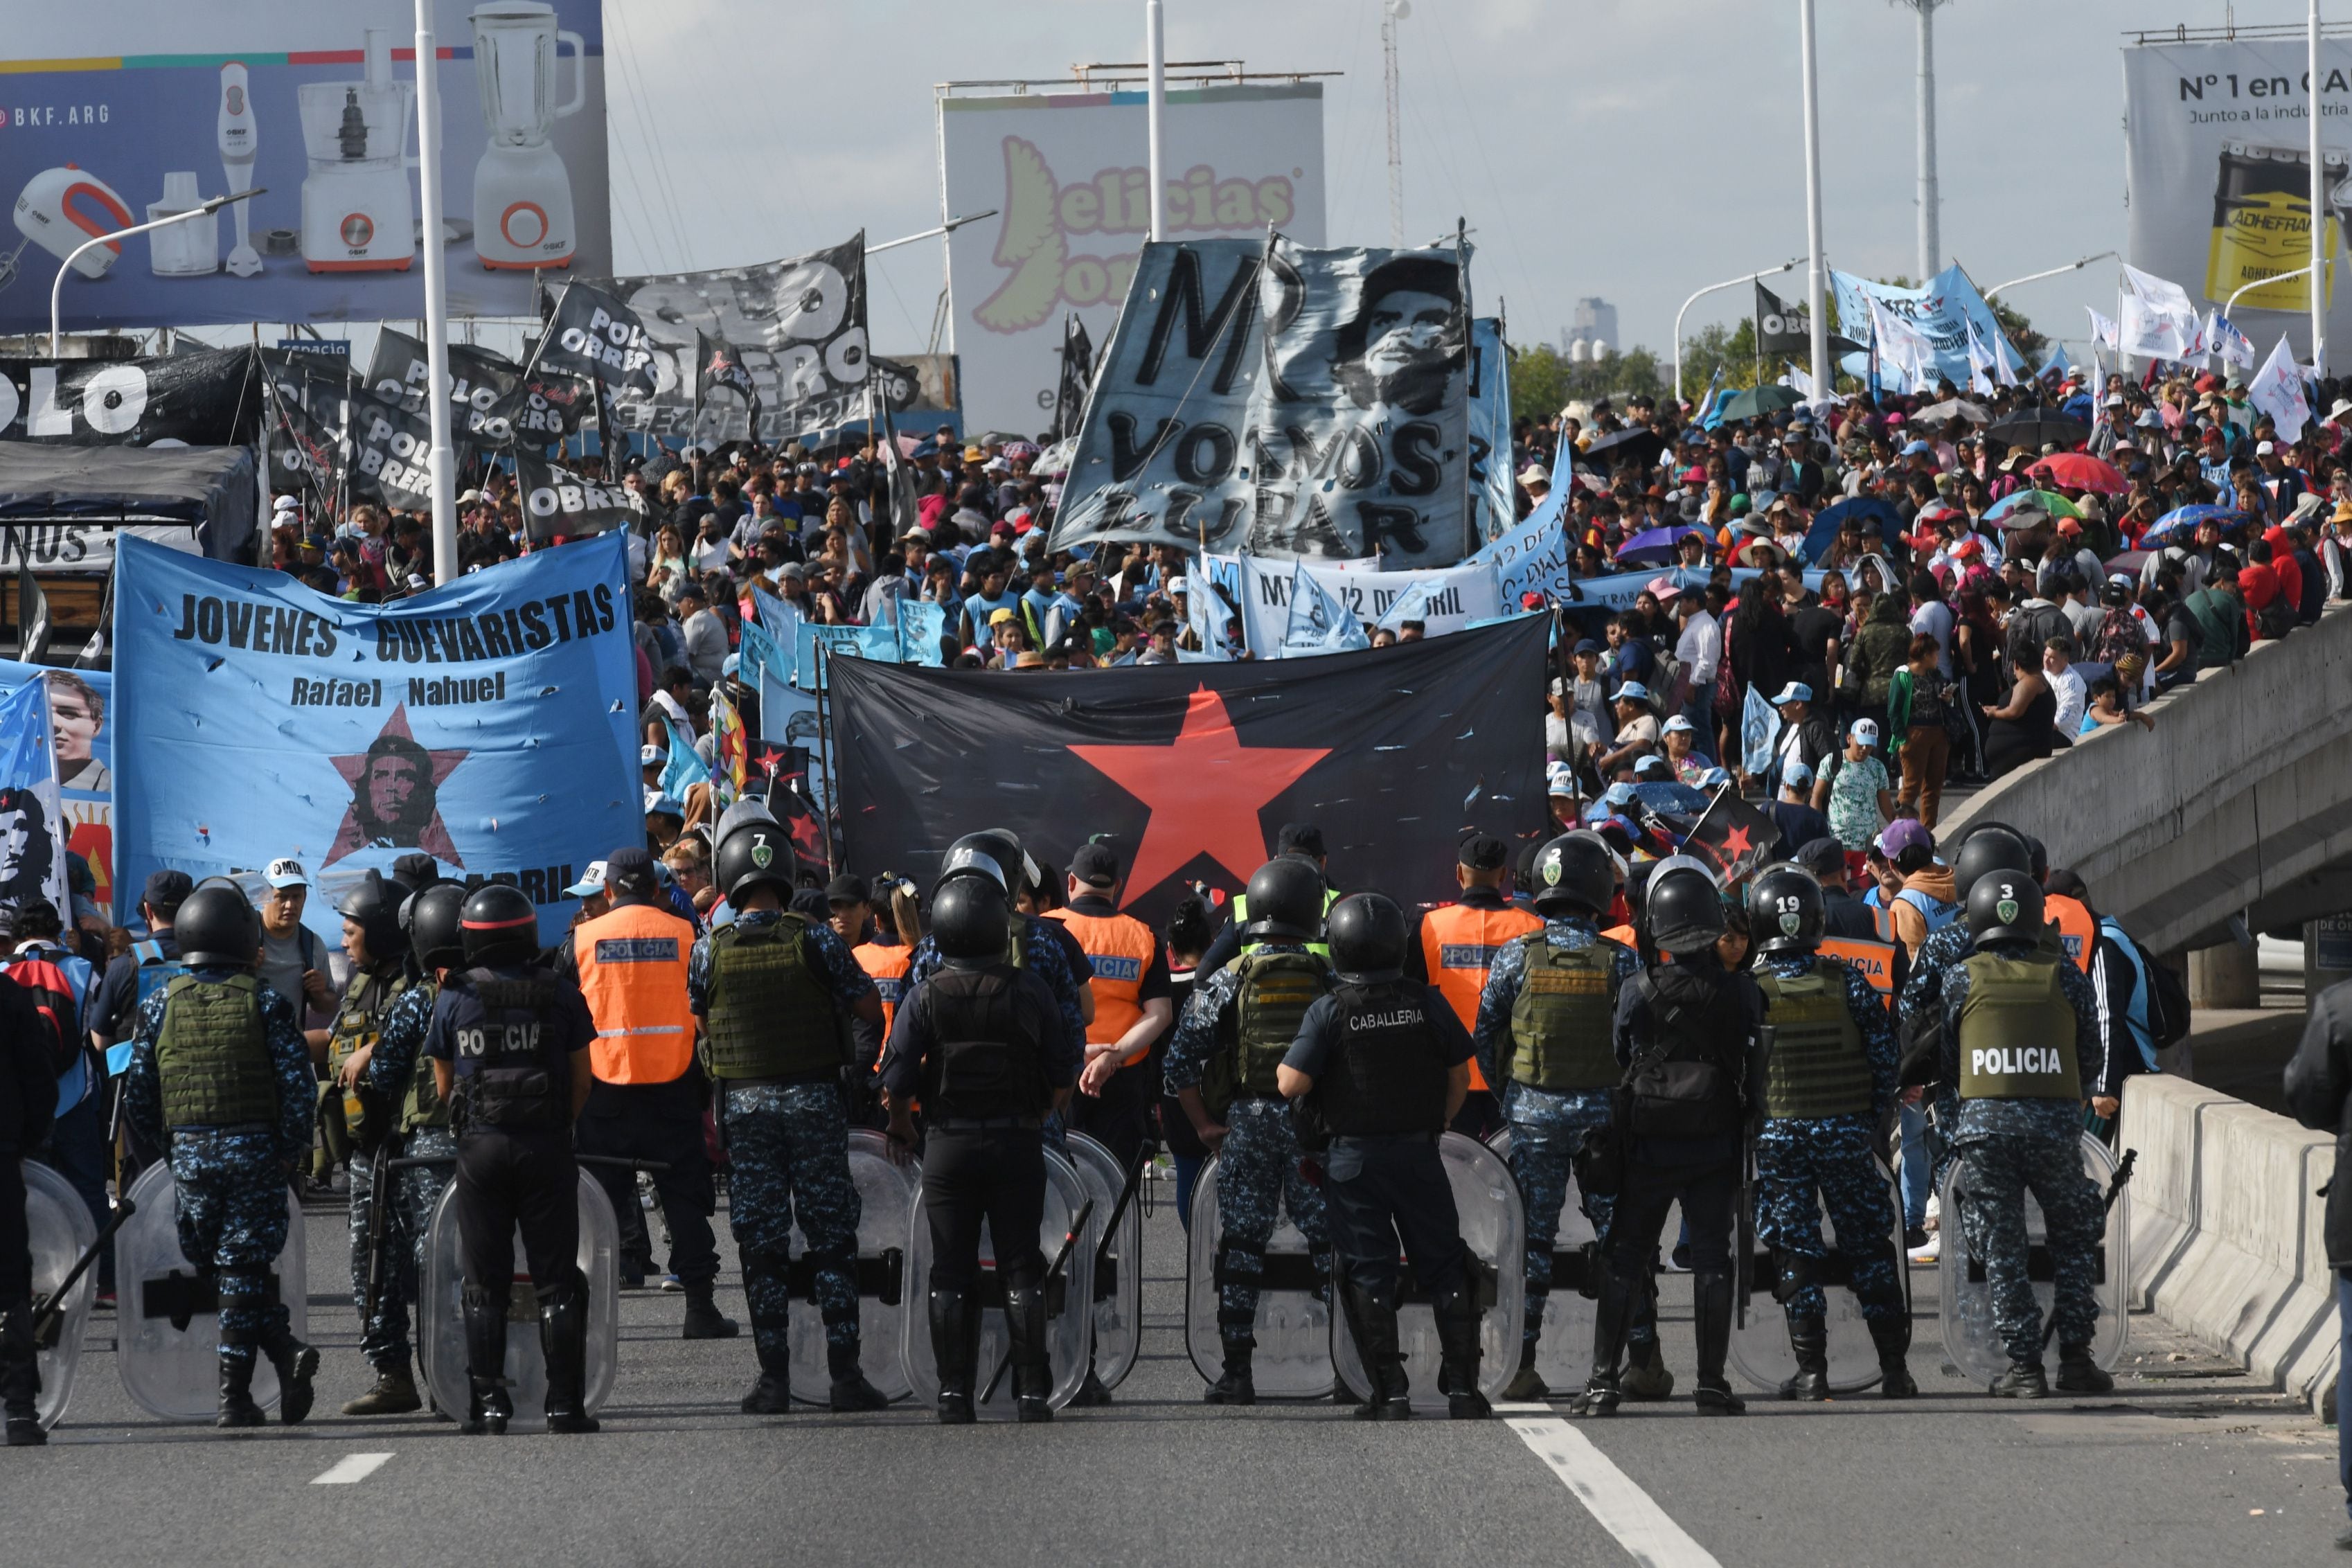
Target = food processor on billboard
(522,194)
(357,213)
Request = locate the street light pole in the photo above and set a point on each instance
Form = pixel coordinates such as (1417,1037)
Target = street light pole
(1155,103)
(2037,276)
(2318,286)
(1710,288)
(2232,303)
(1931,244)
(56,289)
(442,460)
(1815,278)
(950,227)
(1391,13)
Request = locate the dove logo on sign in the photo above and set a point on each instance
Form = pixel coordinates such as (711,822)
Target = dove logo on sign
(1043,216)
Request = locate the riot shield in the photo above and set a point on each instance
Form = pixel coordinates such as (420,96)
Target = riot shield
(1493,1227)
(1969,1338)
(441,1313)
(1068,1324)
(1118,1274)
(1293,1329)
(167,1327)
(1564,1349)
(59,1225)
(886,1191)
(1760,1345)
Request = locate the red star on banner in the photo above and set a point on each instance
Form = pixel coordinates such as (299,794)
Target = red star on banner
(401,805)
(1736,843)
(1204,792)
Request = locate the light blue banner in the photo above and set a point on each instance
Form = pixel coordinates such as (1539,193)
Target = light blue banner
(32,840)
(1942,311)
(1493,496)
(1318,622)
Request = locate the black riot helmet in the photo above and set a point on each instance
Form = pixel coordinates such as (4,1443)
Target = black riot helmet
(431,917)
(2005,905)
(1991,848)
(1784,909)
(498,924)
(373,906)
(753,853)
(993,852)
(1286,899)
(217,925)
(971,920)
(1681,909)
(1366,931)
(1575,874)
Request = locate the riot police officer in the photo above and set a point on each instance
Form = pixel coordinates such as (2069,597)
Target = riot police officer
(981,1044)
(508,1042)
(2020,1039)
(1220,1067)
(29,1102)
(1828,1086)
(1041,950)
(219,1068)
(374,942)
(1685,1030)
(1379,1066)
(776,992)
(1545,1020)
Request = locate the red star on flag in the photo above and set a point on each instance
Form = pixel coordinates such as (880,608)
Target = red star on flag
(1736,843)
(395,795)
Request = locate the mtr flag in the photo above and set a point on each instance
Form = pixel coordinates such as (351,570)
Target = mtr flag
(1192,769)
(489,724)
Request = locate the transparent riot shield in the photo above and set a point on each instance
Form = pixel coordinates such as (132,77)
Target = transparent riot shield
(1969,1338)
(1068,1323)
(1118,1271)
(886,1191)
(1564,1348)
(1293,1329)
(168,1321)
(1493,1227)
(58,1226)
(441,1313)
(1760,1338)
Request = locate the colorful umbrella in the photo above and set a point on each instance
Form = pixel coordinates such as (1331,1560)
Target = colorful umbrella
(1756,401)
(1654,547)
(2079,470)
(2049,502)
(2183,521)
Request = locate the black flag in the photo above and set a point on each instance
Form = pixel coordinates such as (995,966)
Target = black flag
(1782,327)
(1078,375)
(1733,837)
(719,362)
(559,503)
(595,335)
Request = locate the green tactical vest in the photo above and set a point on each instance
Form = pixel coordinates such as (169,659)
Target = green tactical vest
(422,1105)
(1817,1068)
(359,1023)
(1274,991)
(212,1056)
(1565,1017)
(770,1016)
(2017,1030)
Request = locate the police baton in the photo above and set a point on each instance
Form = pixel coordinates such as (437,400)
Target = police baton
(1744,1265)
(1143,1157)
(1054,1270)
(2115,1190)
(387,1154)
(52,1307)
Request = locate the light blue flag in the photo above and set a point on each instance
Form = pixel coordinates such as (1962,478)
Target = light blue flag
(1318,623)
(685,767)
(1204,613)
(760,650)
(1760,726)
(1411,604)
(1494,498)
(878,643)
(921,624)
(783,625)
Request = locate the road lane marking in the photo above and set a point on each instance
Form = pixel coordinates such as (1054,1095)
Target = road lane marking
(350,1468)
(1643,1529)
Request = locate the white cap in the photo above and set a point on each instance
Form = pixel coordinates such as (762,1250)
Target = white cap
(284,873)
(2263,448)
(285,503)
(1865,730)
(593,882)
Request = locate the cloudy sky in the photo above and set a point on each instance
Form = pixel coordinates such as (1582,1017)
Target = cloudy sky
(1631,149)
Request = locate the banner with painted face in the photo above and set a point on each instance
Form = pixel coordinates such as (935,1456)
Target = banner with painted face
(32,837)
(83,743)
(489,723)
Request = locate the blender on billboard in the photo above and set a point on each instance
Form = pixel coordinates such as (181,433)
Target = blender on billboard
(312,105)
(211,398)
(559,503)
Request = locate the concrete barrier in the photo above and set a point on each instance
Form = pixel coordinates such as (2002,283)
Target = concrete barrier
(2227,1229)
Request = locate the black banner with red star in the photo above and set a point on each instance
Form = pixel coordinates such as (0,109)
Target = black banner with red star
(1192,770)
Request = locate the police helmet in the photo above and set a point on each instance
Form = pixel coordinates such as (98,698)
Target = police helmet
(373,906)
(753,853)
(971,920)
(995,852)
(1784,909)
(1286,899)
(1682,908)
(1991,848)
(2005,905)
(431,916)
(217,925)
(1366,935)
(1575,874)
(498,924)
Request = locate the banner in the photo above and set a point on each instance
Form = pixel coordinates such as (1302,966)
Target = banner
(1455,596)
(718,367)
(559,503)
(596,337)
(1078,376)
(484,387)
(2154,317)
(491,723)
(1190,769)
(390,457)
(84,748)
(212,398)
(1786,326)
(1494,495)
(1339,431)
(1532,557)
(1937,315)
(1317,623)
(32,837)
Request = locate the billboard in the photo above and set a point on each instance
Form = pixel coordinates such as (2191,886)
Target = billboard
(2217,176)
(112,115)
(1068,175)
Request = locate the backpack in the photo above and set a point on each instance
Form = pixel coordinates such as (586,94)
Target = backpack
(2168,1001)
(53,998)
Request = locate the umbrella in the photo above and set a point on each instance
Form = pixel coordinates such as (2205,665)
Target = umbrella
(1756,401)
(1640,445)
(1015,450)
(1830,521)
(2128,562)
(2183,521)
(1953,409)
(2020,518)
(2049,502)
(2081,471)
(1653,547)
(1671,797)
(2034,428)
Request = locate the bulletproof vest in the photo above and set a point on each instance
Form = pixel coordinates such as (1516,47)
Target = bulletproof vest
(1385,1072)
(212,1053)
(422,1105)
(1565,1015)
(1698,1017)
(1275,990)
(499,1027)
(770,1016)
(1817,1068)
(367,1001)
(2017,1030)
(989,1061)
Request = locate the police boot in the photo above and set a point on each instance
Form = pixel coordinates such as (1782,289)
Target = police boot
(563,1340)
(771,1394)
(1646,1374)
(1613,1316)
(1892,1335)
(296,1363)
(2078,1373)
(1526,1384)
(394,1393)
(1808,1337)
(703,1319)
(954,1347)
(1371,1320)
(20,1377)
(2023,1380)
(1094,1392)
(1711,1316)
(1457,1334)
(850,1389)
(236,1405)
(1033,1371)
(1235,1387)
(487,1403)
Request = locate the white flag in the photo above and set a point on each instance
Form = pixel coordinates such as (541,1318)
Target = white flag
(2155,318)
(2278,391)
(2103,331)
(2231,346)
(1798,382)
(1981,360)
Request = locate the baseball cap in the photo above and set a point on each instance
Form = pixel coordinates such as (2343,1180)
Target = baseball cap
(1299,837)
(1585,645)
(590,881)
(1653,766)
(1795,691)
(846,889)
(1482,852)
(2263,448)
(1678,724)
(1559,779)
(648,755)
(286,873)
(1795,773)
(1632,691)
(732,664)
(1096,864)
(285,503)
(1865,730)
(666,804)
(629,870)
(1714,778)
(167,889)
(1903,833)
(1618,795)
(1821,856)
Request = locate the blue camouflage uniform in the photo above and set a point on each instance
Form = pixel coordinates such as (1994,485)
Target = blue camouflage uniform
(1257,1167)
(1797,1156)
(232,1180)
(383,1336)
(1547,1125)
(2014,1145)
(788,1152)
(415,1189)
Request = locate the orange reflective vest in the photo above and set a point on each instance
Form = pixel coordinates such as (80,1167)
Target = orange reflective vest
(2078,934)
(887,967)
(633,972)
(1458,945)
(1120,949)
